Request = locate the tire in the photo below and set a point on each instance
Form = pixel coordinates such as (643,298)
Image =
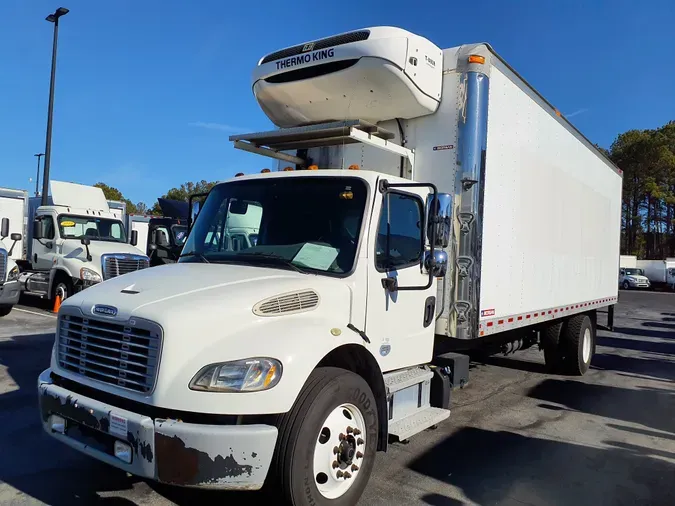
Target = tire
(626,285)
(62,286)
(316,426)
(578,342)
(5,310)
(549,338)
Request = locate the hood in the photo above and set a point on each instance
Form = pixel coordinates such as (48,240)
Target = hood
(165,291)
(73,249)
(637,277)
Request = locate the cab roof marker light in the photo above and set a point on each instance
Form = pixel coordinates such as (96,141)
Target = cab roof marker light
(313,167)
(238,174)
(476,58)
(288,169)
(354,166)
(265,171)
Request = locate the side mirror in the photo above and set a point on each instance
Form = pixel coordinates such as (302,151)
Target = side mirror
(160,238)
(439,266)
(38,229)
(4,228)
(15,237)
(85,241)
(134,237)
(439,217)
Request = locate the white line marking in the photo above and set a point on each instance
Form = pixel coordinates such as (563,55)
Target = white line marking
(33,312)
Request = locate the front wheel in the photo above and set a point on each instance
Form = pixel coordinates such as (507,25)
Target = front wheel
(626,285)
(326,446)
(62,288)
(5,310)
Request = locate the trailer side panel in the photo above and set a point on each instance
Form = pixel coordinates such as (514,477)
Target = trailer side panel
(551,218)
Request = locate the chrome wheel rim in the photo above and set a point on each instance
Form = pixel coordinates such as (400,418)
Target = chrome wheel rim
(339,451)
(586,346)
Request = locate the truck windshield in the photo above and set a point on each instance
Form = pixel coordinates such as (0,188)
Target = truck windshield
(301,223)
(634,272)
(95,229)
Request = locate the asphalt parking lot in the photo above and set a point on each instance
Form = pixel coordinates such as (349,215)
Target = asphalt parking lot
(516,435)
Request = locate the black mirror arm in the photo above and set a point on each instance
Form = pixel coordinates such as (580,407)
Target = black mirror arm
(384,187)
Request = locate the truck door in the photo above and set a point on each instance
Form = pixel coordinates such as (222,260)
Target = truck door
(399,323)
(44,249)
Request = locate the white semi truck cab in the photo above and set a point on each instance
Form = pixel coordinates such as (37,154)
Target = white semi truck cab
(74,243)
(293,360)
(9,272)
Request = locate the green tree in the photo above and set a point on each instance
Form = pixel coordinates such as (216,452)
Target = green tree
(184,191)
(112,193)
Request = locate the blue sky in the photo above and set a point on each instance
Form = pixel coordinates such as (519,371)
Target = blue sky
(148,91)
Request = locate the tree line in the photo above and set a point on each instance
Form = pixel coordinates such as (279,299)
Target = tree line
(646,157)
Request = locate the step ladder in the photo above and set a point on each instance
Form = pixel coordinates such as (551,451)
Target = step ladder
(408,393)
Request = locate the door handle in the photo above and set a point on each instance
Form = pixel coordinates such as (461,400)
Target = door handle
(429,311)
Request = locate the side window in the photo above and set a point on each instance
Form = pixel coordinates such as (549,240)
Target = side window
(116,231)
(399,235)
(164,233)
(49,227)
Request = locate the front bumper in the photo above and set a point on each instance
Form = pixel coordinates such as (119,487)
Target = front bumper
(235,457)
(9,293)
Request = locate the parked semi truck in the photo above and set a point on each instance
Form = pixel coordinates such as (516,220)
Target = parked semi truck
(70,244)
(474,216)
(630,276)
(161,237)
(659,272)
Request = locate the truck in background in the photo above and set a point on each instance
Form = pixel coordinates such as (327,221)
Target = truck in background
(161,238)
(630,276)
(12,232)
(70,244)
(485,219)
(660,273)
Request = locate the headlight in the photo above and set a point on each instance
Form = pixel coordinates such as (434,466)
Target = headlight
(250,375)
(89,275)
(13,274)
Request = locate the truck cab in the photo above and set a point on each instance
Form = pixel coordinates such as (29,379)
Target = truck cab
(74,243)
(9,272)
(632,277)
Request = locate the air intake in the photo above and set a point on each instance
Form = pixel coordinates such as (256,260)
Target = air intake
(287,303)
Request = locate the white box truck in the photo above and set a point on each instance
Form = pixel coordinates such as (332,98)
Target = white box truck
(660,273)
(161,237)
(13,205)
(478,217)
(70,244)
(630,276)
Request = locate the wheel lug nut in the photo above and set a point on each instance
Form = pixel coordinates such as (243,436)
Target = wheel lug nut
(341,436)
(349,430)
(347,475)
(336,450)
(359,455)
(339,474)
(355,467)
(357,432)
(335,464)
(359,441)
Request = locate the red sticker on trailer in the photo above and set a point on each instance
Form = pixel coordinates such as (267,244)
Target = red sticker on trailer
(444,146)
(487,312)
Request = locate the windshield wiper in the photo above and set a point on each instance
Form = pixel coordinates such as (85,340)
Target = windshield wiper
(195,254)
(274,258)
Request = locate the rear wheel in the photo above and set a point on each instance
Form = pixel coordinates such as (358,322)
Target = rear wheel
(626,285)
(550,343)
(326,446)
(5,310)
(578,341)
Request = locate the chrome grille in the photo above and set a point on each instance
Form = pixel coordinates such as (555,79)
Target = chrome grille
(109,352)
(116,265)
(3,265)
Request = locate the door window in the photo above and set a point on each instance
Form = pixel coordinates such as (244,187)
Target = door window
(48,226)
(399,236)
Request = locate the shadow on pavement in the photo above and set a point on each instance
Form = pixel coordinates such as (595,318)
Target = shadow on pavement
(647,407)
(661,325)
(638,345)
(512,363)
(40,467)
(501,468)
(440,500)
(636,367)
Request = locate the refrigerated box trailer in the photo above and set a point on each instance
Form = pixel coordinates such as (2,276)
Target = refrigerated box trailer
(431,200)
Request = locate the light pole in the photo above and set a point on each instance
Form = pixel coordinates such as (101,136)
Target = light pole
(52,18)
(37,176)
